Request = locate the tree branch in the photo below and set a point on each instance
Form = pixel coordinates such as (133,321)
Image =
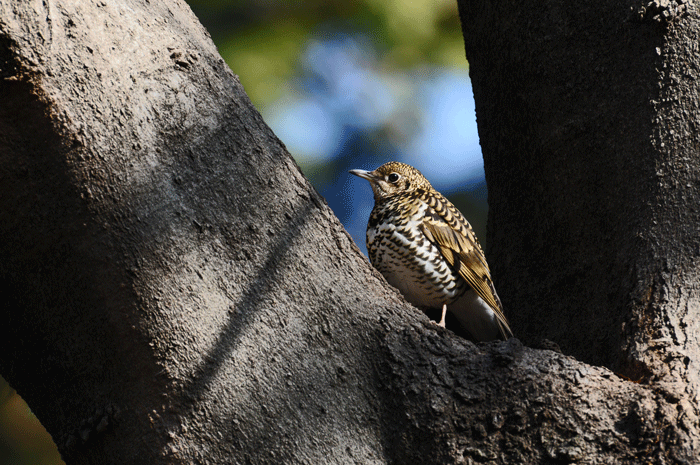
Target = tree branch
(186,296)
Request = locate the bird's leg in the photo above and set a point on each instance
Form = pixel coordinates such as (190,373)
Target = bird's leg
(442,320)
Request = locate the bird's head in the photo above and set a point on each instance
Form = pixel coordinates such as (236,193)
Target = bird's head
(392,179)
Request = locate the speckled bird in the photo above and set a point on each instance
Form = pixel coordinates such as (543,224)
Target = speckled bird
(425,248)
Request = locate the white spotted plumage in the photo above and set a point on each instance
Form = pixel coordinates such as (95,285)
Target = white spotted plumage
(422,275)
(425,248)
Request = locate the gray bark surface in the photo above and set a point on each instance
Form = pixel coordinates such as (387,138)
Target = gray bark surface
(177,292)
(588,117)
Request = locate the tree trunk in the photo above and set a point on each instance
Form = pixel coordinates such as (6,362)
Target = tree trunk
(588,116)
(176,291)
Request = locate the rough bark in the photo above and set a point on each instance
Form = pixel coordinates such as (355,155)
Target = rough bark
(178,293)
(588,115)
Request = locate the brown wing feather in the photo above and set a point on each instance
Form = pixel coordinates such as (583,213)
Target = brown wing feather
(460,248)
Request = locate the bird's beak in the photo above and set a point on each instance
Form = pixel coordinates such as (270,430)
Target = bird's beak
(368,175)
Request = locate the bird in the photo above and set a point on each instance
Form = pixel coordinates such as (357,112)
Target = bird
(424,247)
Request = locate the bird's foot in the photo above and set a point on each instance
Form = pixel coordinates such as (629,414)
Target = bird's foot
(444,312)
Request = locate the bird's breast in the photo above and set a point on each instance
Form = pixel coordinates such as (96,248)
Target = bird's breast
(409,261)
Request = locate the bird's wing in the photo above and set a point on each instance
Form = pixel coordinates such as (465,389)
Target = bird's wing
(447,229)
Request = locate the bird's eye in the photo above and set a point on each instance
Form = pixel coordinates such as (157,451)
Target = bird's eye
(393,177)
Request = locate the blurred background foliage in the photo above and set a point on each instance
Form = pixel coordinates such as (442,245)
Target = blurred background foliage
(344,85)
(355,84)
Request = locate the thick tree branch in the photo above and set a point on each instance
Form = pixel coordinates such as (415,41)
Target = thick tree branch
(180,293)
